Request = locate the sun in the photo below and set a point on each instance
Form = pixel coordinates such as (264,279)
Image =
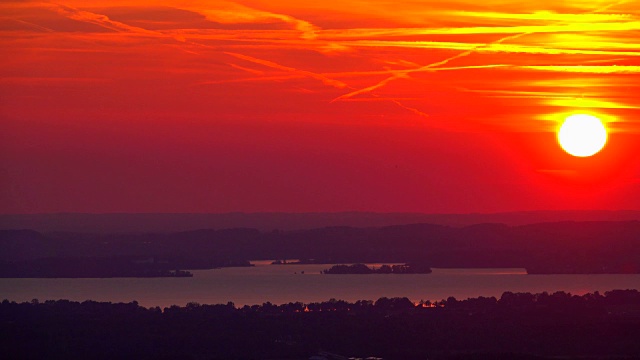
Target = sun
(582,135)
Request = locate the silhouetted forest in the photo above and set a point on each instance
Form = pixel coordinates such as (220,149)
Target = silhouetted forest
(90,267)
(516,326)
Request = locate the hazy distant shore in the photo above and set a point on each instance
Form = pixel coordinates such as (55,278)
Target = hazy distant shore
(107,267)
(559,247)
(175,222)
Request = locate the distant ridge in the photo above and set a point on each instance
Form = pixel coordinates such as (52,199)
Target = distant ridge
(167,222)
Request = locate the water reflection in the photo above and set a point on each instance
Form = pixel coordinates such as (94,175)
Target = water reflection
(286,283)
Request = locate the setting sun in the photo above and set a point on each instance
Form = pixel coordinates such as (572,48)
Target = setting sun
(196,178)
(582,135)
(223,106)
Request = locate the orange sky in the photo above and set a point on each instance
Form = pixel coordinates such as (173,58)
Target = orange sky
(281,105)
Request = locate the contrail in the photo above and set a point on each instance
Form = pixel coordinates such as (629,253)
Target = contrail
(405,73)
(271,64)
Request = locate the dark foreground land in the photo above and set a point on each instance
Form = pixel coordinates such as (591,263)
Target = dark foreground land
(516,326)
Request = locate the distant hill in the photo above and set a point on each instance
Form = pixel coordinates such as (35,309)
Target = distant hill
(165,223)
(569,246)
(19,245)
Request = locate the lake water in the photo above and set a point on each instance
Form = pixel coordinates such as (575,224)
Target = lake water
(287,283)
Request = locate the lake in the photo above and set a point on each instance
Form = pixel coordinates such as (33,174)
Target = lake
(290,283)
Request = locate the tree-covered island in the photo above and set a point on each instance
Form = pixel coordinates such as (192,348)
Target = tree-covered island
(411,268)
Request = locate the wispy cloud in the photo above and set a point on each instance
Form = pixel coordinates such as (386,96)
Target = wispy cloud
(542,15)
(234,13)
(449,52)
(36,80)
(355,34)
(102,20)
(516,31)
(593,69)
(327,81)
(413,110)
(489,48)
(32,25)
(252,79)
(253,71)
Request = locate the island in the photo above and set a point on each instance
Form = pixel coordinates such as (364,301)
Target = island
(411,268)
(298,262)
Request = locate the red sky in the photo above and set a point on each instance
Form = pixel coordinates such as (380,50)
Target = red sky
(299,106)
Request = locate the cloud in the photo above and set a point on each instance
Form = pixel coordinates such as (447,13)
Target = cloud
(517,32)
(253,71)
(542,15)
(327,81)
(538,54)
(253,79)
(32,25)
(413,110)
(488,48)
(233,13)
(592,69)
(102,20)
(36,80)
(219,12)
(355,34)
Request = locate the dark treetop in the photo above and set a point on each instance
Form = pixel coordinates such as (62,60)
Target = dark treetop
(516,326)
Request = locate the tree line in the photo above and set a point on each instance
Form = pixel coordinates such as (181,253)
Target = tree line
(516,325)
